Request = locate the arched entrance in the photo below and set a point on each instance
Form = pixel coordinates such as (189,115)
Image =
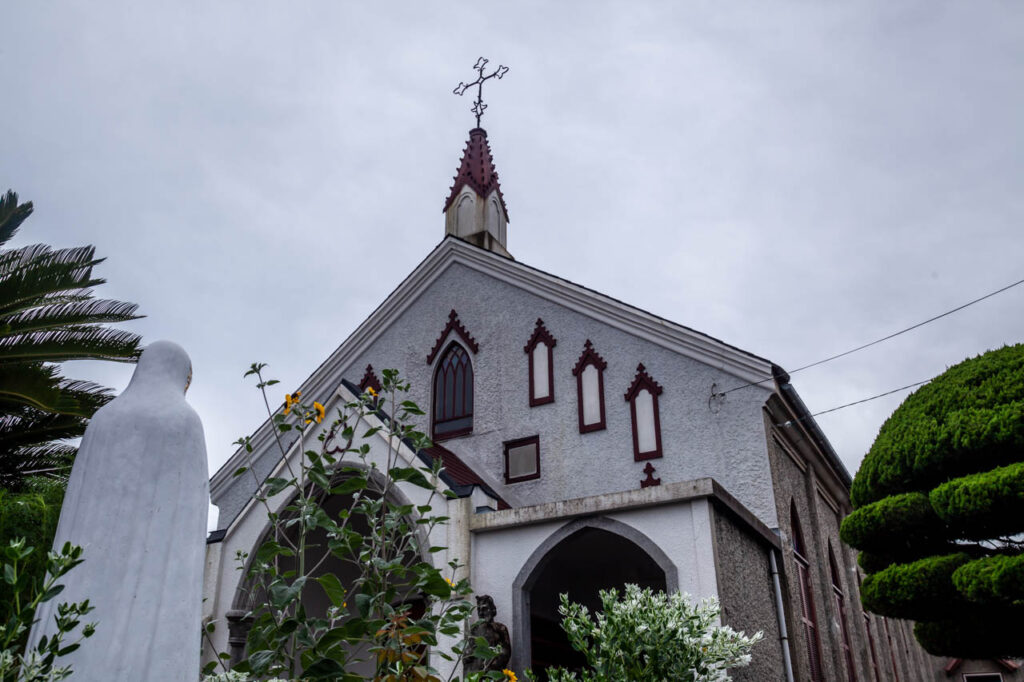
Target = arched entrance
(250,596)
(580,559)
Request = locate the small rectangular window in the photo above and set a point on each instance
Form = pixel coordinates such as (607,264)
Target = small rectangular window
(983,677)
(522,459)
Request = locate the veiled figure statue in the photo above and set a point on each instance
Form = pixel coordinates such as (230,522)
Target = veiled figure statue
(136,502)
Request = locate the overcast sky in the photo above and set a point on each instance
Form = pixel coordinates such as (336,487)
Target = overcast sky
(794,178)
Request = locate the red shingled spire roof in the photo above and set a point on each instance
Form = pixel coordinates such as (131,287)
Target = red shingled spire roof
(476,170)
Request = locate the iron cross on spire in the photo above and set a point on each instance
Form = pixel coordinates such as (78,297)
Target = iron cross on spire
(479,106)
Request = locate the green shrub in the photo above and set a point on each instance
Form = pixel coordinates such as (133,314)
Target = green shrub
(921,590)
(894,526)
(988,504)
(33,515)
(992,579)
(873,563)
(968,419)
(992,633)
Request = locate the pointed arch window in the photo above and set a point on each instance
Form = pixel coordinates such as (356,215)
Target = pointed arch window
(840,602)
(453,394)
(808,616)
(642,397)
(589,373)
(542,373)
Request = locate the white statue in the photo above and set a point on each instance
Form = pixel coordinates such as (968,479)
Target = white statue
(137,502)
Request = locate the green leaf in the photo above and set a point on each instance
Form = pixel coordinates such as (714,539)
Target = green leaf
(10,574)
(276,485)
(349,485)
(240,470)
(332,586)
(412,475)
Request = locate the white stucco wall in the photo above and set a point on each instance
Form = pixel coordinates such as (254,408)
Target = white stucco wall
(503,558)
(727,443)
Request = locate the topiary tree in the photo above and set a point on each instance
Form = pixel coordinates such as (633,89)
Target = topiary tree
(939,510)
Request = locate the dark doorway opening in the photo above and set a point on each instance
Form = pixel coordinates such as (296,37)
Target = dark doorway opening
(582,564)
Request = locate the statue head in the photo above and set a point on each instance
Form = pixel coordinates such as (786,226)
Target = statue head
(485,608)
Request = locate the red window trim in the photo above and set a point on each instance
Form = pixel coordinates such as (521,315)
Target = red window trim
(472,395)
(642,381)
(509,444)
(541,335)
(590,357)
(454,325)
(840,601)
(808,614)
(370,380)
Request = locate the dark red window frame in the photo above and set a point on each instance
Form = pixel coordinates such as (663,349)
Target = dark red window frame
(590,357)
(452,414)
(542,335)
(871,648)
(642,381)
(840,601)
(808,615)
(509,444)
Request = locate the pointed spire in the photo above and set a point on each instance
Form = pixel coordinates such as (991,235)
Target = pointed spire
(475,208)
(476,169)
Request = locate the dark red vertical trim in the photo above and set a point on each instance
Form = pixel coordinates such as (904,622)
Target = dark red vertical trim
(541,335)
(590,357)
(840,601)
(808,615)
(642,381)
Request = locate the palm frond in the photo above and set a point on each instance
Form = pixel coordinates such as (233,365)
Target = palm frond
(39,386)
(71,343)
(12,215)
(48,315)
(28,383)
(52,460)
(33,427)
(91,311)
(54,272)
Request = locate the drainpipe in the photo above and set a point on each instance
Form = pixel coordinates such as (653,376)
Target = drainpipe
(787,664)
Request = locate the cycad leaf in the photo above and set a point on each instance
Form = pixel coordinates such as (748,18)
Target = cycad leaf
(71,343)
(89,311)
(12,215)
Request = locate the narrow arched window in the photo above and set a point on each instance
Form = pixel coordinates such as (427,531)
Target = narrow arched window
(840,601)
(642,397)
(589,373)
(453,394)
(542,373)
(808,616)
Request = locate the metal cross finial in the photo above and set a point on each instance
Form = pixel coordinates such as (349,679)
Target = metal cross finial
(479,106)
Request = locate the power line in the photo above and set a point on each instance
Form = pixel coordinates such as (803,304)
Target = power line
(884,338)
(856,402)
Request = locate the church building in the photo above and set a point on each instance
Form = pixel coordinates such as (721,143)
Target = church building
(591,444)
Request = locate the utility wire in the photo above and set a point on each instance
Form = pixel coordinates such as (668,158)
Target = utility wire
(884,338)
(856,402)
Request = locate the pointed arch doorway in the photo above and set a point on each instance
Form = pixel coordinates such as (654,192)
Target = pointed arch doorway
(581,558)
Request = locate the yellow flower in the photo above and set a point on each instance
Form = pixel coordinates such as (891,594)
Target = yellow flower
(290,400)
(320,412)
(369,389)
(450,583)
(509,675)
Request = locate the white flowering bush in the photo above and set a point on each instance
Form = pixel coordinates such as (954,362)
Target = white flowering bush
(651,637)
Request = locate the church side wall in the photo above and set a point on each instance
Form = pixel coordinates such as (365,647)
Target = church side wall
(747,597)
(821,502)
